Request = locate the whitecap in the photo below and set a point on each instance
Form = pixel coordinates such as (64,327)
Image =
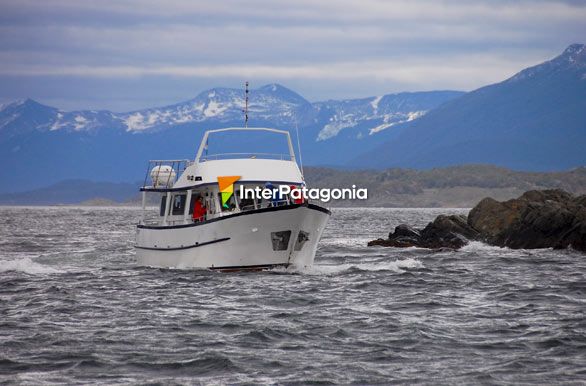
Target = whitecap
(478,246)
(26,265)
(398,266)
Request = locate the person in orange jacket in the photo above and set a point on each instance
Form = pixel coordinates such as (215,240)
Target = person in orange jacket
(199,210)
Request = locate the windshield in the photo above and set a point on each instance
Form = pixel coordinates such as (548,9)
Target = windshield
(246,144)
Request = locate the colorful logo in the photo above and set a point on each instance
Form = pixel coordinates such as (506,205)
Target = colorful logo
(226,184)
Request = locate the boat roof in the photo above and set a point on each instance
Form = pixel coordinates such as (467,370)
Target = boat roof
(204,143)
(250,167)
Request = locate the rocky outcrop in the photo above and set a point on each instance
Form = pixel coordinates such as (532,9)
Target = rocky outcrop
(537,219)
(444,232)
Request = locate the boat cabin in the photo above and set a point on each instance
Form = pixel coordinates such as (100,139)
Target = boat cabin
(178,192)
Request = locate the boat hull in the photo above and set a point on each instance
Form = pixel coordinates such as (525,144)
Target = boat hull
(245,240)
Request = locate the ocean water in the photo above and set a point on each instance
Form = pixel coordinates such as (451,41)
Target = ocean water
(74,309)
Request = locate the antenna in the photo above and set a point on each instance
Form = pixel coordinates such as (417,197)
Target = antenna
(299,147)
(246,105)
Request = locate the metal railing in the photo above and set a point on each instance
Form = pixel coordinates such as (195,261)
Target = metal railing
(220,156)
(155,219)
(177,166)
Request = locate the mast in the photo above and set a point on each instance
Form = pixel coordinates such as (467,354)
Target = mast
(246,104)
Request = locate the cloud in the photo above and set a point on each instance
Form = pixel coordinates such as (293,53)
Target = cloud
(410,44)
(463,71)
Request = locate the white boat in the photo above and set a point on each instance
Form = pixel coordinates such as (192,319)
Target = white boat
(239,234)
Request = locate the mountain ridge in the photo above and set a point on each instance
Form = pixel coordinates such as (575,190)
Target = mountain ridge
(270,102)
(535,120)
(42,144)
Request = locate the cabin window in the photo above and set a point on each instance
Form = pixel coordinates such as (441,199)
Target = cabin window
(246,203)
(209,203)
(178,204)
(280,240)
(302,238)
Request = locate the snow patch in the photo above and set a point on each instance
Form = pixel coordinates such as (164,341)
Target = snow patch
(80,123)
(152,119)
(16,103)
(414,115)
(57,124)
(12,118)
(382,127)
(408,118)
(332,129)
(134,122)
(183,118)
(214,109)
(374,103)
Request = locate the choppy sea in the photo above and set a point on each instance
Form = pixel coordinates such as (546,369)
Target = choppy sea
(75,309)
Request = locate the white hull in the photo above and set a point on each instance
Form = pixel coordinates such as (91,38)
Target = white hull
(239,241)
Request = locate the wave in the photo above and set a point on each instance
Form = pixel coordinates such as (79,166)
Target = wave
(398,266)
(26,265)
(478,246)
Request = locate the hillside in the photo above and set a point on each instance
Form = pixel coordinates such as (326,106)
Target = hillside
(461,186)
(536,120)
(458,186)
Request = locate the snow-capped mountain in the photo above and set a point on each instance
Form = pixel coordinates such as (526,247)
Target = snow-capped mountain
(377,113)
(535,120)
(272,104)
(52,144)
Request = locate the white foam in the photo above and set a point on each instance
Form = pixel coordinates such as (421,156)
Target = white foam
(475,246)
(398,266)
(26,265)
(345,241)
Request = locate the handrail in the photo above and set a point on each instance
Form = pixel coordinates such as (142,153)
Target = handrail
(178,219)
(252,155)
(178,166)
(170,160)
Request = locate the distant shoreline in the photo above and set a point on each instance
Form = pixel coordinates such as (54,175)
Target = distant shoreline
(449,187)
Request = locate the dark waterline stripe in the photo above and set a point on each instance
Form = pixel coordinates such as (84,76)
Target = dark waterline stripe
(259,267)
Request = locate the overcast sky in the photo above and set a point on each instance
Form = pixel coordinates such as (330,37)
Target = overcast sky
(124,55)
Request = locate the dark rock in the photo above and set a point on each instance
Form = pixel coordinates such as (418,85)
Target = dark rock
(537,219)
(393,243)
(457,224)
(404,230)
(445,232)
(404,236)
